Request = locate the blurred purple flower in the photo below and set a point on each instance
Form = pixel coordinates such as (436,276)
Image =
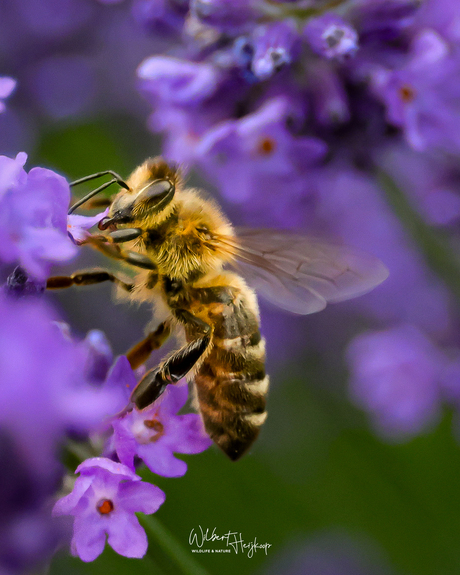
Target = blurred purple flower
(52,20)
(155,433)
(237,153)
(28,535)
(104,501)
(228,15)
(329,98)
(64,86)
(47,389)
(350,205)
(330,553)
(423,96)
(160,16)
(180,82)
(33,216)
(431,182)
(20,284)
(275,45)
(99,356)
(78,226)
(331,36)
(7,86)
(44,390)
(384,19)
(396,375)
(440,15)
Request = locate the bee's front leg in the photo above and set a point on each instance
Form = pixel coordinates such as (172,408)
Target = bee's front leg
(109,247)
(155,381)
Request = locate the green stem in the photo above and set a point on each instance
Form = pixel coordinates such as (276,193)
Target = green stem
(276,11)
(182,558)
(435,247)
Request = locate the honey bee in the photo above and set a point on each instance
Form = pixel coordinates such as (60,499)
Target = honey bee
(201,273)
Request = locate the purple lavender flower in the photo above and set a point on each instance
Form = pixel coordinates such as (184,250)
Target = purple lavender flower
(45,18)
(275,45)
(329,97)
(51,393)
(20,284)
(155,433)
(33,216)
(384,20)
(161,16)
(331,36)
(430,181)
(422,96)
(442,16)
(396,375)
(237,153)
(28,535)
(104,501)
(348,204)
(7,86)
(78,226)
(64,86)
(229,15)
(164,78)
(99,356)
(47,389)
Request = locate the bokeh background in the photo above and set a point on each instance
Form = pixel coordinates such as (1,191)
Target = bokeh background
(335,488)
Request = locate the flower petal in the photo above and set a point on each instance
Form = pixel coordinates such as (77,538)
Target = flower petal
(108,465)
(67,504)
(88,538)
(161,461)
(141,497)
(126,536)
(186,434)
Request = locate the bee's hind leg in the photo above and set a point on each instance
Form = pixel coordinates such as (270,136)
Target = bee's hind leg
(155,381)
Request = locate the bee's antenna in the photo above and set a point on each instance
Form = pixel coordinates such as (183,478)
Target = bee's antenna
(116,180)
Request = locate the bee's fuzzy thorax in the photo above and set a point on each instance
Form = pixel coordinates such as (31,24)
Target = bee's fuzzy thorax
(188,241)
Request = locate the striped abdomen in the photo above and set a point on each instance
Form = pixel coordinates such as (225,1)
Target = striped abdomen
(231,382)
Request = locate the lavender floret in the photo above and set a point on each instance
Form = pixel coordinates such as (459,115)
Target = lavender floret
(331,36)
(157,432)
(104,501)
(33,217)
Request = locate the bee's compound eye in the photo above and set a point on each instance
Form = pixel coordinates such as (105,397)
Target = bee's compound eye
(157,192)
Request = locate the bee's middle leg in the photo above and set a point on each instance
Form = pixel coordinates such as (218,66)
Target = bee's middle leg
(85,277)
(155,381)
(140,352)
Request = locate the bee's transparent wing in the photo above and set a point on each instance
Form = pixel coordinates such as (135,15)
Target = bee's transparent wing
(302,274)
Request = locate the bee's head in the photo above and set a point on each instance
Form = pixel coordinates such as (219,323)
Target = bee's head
(150,198)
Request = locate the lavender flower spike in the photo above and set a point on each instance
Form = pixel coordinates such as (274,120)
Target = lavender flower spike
(104,501)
